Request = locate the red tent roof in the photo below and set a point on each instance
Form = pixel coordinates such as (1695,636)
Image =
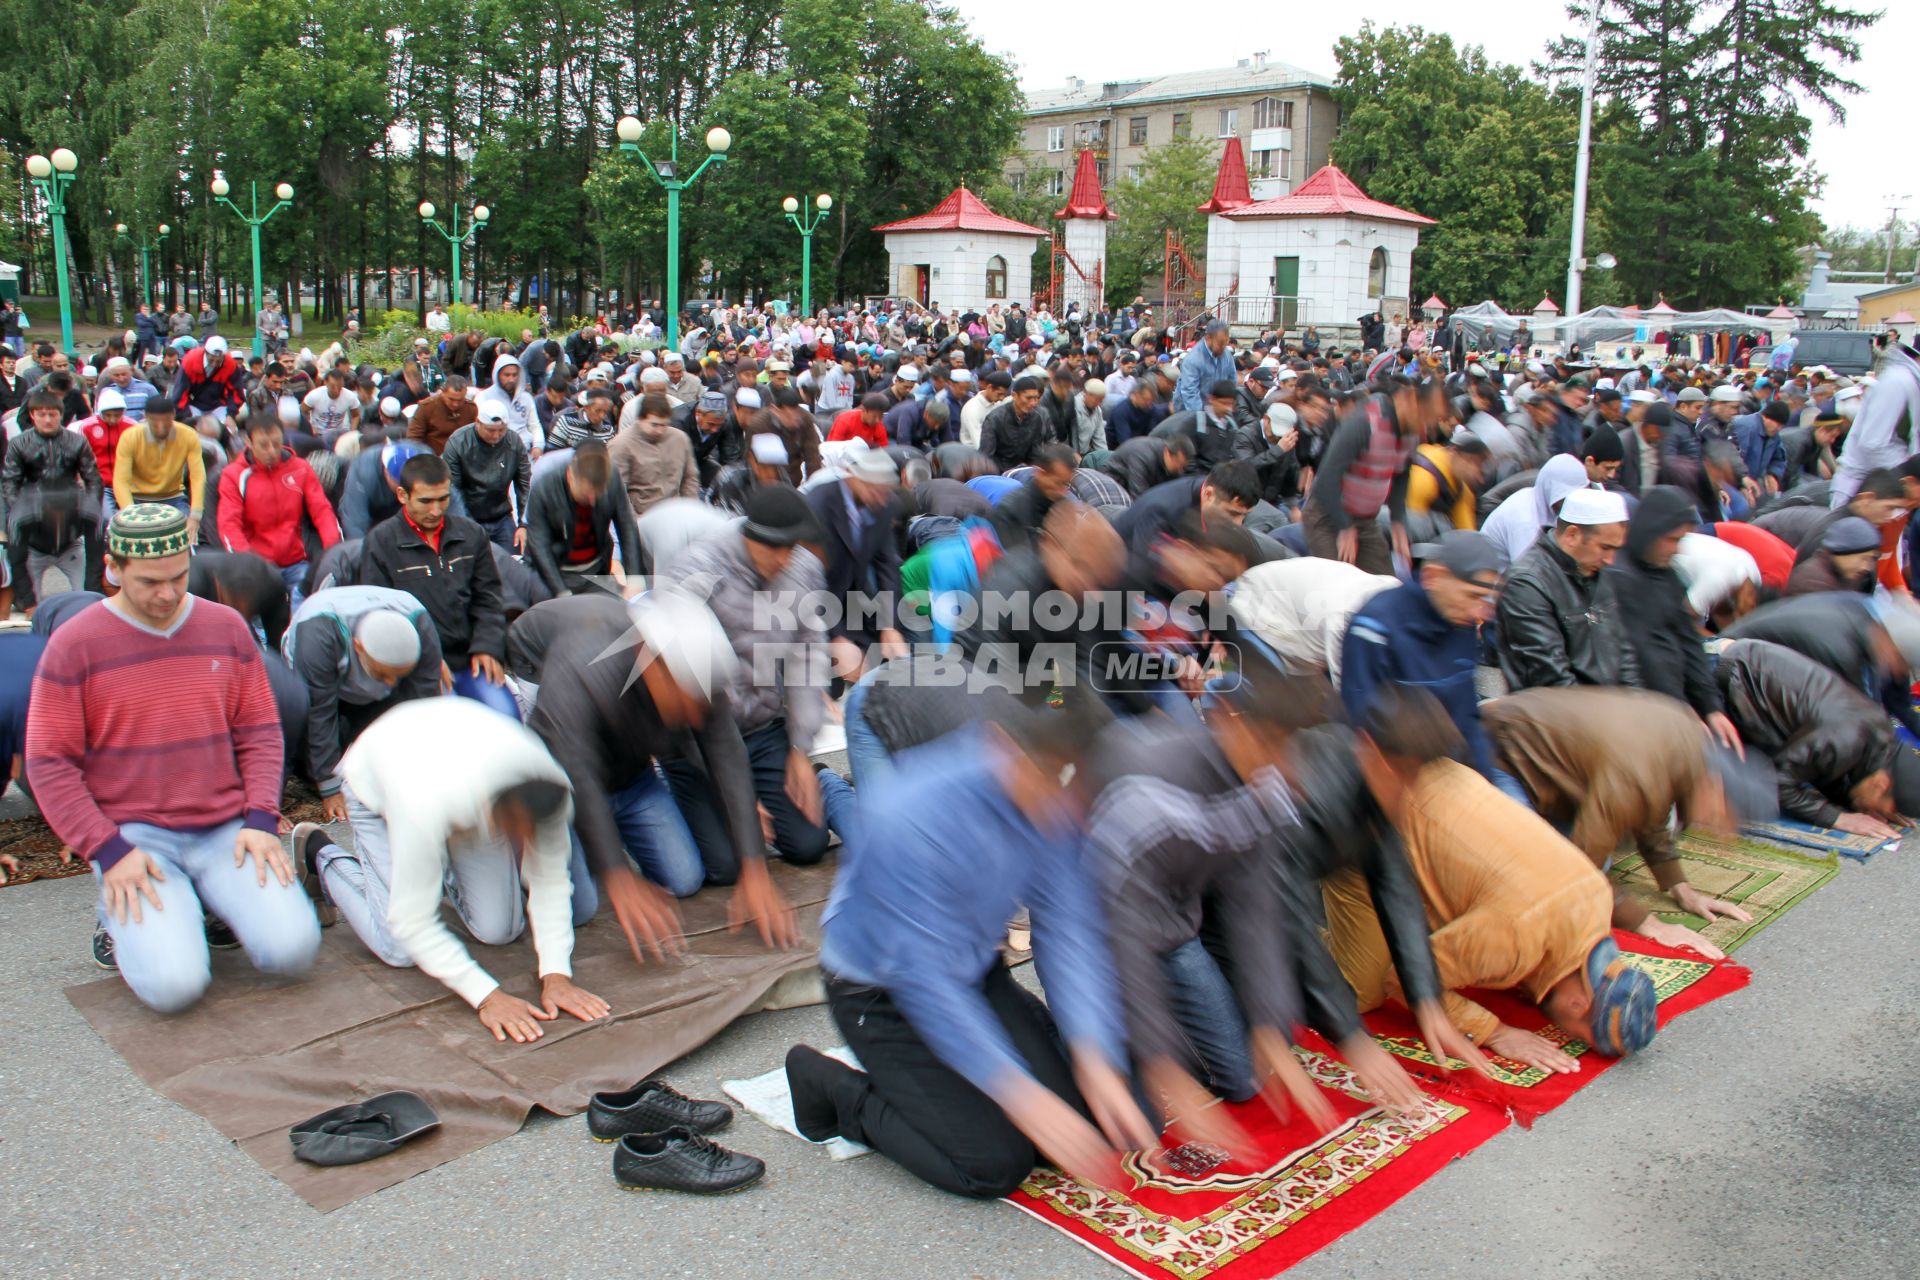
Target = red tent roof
(1330,192)
(1781,312)
(963,211)
(1230,189)
(1085,200)
(1433,304)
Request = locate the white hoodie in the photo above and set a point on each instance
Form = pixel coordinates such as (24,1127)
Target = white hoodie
(518,408)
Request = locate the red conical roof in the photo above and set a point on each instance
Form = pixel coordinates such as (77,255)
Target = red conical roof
(1327,193)
(1085,200)
(1230,188)
(962,211)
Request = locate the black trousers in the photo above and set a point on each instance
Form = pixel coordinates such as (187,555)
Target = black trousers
(794,838)
(922,1114)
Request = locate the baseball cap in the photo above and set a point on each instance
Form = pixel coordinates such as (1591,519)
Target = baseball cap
(1466,554)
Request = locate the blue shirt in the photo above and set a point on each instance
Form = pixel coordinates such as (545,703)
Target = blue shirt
(1399,638)
(938,863)
(1199,370)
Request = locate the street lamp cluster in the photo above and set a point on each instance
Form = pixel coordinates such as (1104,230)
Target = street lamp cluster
(455,237)
(667,174)
(54,174)
(283,195)
(824,203)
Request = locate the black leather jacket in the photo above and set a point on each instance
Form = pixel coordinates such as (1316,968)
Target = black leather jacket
(1822,734)
(37,466)
(1559,627)
(1343,829)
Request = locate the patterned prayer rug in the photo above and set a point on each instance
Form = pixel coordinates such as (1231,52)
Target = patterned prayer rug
(1764,879)
(1682,981)
(1192,1212)
(1800,835)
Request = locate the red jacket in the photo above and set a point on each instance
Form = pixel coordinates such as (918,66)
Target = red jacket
(103,440)
(260,508)
(849,426)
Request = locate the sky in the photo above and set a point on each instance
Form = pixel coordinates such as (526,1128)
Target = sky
(1139,39)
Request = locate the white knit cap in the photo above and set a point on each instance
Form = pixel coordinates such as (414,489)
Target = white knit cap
(388,637)
(110,399)
(681,632)
(1594,506)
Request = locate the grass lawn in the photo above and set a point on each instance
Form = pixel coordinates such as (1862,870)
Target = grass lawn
(88,337)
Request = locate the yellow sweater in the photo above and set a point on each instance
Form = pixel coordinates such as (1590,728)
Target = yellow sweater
(145,469)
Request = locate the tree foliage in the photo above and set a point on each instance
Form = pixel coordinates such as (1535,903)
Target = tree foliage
(1175,180)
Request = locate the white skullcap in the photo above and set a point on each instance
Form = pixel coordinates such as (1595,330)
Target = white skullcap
(390,407)
(1270,362)
(1594,506)
(681,632)
(654,378)
(118,362)
(747,397)
(1725,395)
(109,400)
(1643,397)
(769,450)
(908,373)
(1095,387)
(966,375)
(388,637)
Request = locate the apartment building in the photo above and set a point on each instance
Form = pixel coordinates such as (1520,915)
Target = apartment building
(1283,115)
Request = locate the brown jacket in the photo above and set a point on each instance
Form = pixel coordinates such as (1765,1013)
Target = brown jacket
(803,442)
(653,470)
(1614,762)
(1512,904)
(434,424)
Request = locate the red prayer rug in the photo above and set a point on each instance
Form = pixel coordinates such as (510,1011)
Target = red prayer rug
(1682,981)
(1193,1212)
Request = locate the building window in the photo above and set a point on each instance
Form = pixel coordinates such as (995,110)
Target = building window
(1057,182)
(1056,137)
(1229,122)
(1135,172)
(1272,113)
(996,277)
(1270,164)
(1137,131)
(1091,133)
(1018,181)
(1182,124)
(1377,274)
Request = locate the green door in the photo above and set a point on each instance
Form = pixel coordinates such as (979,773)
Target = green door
(1286,292)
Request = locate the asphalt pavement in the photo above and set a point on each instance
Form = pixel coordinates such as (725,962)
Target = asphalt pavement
(1774,1133)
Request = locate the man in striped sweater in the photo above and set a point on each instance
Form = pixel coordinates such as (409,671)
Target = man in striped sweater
(169,797)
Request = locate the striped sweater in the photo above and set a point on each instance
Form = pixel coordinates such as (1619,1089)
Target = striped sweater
(176,730)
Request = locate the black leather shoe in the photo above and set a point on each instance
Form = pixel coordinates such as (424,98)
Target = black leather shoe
(653,1106)
(811,1079)
(681,1160)
(103,950)
(220,933)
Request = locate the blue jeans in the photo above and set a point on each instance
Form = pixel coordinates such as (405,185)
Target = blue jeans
(1508,785)
(164,957)
(1203,1004)
(794,837)
(654,835)
(867,756)
(481,690)
(295,576)
(500,532)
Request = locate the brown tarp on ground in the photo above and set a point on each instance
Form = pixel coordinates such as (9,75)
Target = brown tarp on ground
(258,1055)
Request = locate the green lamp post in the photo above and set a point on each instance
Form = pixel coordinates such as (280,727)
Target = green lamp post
(807,226)
(456,238)
(667,174)
(53,176)
(146,248)
(255,220)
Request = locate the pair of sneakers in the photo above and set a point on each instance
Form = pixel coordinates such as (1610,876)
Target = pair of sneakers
(219,937)
(661,1141)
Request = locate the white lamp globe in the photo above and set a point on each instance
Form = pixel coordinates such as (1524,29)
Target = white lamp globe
(718,140)
(628,128)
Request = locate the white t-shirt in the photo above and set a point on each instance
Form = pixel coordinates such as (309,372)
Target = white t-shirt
(330,414)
